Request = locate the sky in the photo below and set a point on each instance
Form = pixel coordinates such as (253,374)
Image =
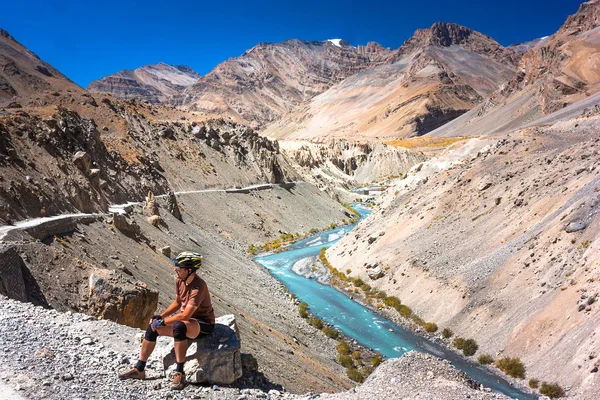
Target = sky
(87,39)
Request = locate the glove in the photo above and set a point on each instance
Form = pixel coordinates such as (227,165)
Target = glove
(155,317)
(156,323)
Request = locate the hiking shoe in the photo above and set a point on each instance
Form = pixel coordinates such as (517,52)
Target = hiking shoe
(132,373)
(177,380)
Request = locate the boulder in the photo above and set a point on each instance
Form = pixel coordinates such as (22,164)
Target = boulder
(172,205)
(82,160)
(155,220)
(575,227)
(166,251)
(12,283)
(113,297)
(214,359)
(124,225)
(375,273)
(151,207)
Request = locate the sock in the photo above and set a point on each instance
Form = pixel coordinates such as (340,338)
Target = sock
(140,365)
(179,368)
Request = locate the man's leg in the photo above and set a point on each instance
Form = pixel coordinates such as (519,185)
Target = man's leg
(182,330)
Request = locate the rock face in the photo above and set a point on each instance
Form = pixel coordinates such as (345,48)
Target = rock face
(272,78)
(214,359)
(114,298)
(153,83)
(22,73)
(434,77)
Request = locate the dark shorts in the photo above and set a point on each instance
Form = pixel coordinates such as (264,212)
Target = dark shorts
(206,328)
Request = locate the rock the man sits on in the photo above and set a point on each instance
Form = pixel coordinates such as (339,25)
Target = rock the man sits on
(196,318)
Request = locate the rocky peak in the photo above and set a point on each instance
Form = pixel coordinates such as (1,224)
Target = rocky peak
(6,35)
(586,18)
(446,34)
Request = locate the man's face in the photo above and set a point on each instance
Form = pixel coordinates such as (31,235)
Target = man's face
(180,272)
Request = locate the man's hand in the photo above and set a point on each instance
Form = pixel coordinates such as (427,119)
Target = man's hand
(156,323)
(154,317)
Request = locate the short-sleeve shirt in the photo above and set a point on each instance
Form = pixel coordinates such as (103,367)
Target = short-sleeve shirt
(196,294)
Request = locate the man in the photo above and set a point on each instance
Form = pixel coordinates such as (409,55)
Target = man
(196,318)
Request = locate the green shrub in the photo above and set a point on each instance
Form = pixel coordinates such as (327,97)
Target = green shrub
(317,323)
(354,375)
(303,310)
(512,367)
(534,383)
(391,301)
(447,333)
(485,359)
(552,390)
(346,361)
(378,359)
(458,342)
(405,311)
(470,347)
(251,250)
(357,282)
(343,348)
(430,327)
(365,288)
(331,332)
(381,295)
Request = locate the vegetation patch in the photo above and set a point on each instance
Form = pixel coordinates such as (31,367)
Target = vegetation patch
(447,333)
(512,367)
(425,142)
(485,359)
(552,390)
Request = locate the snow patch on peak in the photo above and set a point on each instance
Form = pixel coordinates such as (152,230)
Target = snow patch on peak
(335,42)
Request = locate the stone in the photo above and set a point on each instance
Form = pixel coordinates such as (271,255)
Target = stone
(155,220)
(124,225)
(12,282)
(166,251)
(484,185)
(83,161)
(151,208)
(120,301)
(375,273)
(575,227)
(249,363)
(207,360)
(172,206)
(371,239)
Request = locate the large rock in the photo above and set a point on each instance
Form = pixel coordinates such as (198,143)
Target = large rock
(82,160)
(214,359)
(151,208)
(375,273)
(12,283)
(172,205)
(115,298)
(124,225)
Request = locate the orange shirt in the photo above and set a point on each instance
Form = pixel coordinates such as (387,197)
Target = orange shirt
(196,294)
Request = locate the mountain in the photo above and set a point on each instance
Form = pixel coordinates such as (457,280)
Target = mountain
(23,74)
(154,83)
(558,71)
(435,76)
(273,78)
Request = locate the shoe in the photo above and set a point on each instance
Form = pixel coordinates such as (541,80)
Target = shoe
(132,373)
(177,380)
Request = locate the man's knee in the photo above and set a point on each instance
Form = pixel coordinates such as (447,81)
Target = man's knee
(150,335)
(179,331)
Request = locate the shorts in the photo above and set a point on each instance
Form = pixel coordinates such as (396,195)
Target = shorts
(206,328)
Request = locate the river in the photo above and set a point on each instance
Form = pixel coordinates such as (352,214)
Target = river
(358,322)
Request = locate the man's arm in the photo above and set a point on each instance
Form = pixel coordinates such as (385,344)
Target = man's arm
(173,307)
(182,316)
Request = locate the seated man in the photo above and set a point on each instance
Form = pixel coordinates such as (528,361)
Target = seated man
(196,318)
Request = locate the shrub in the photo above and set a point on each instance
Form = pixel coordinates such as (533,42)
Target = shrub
(430,327)
(470,347)
(331,332)
(354,375)
(534,383)
(405,311)
(343,348)
(552,390)
(357,282)
(317,323)
(375,361)
(447,333)
(392,301)
(303,310)
(485,359)
(346,361)
(251,249)
(381,295)
(356,355)
(459,342)
(365,288)
(512,367)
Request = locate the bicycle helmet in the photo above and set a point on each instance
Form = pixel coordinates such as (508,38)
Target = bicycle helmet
(188,259)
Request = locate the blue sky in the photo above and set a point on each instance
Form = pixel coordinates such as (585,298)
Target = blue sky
(87,40)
